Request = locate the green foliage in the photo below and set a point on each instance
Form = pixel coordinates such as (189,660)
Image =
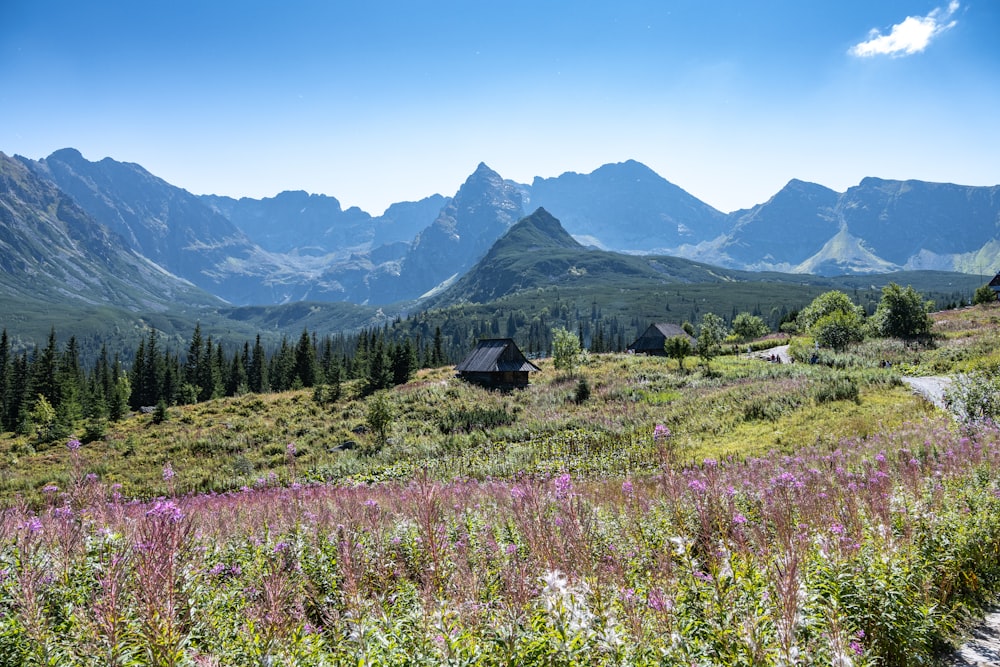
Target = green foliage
(710,336)
(984,294)
(582,392)
(840,388)
(379,416)
(565,350)
(829,303)
(975,397)
(838,329)
(42,419)
(902,313)
(747,327)
(677,347)
(466,420)
(161,413)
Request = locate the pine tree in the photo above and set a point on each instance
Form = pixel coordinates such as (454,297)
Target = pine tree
(5,372)
(138,391)
(305,360)
(404,362)
(236,383)
(192,365)
(121,390)
(44,370)
(152,381)
(258,369)
(437,356)
(379,369)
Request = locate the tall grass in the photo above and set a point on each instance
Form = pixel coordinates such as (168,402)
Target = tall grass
(863,552)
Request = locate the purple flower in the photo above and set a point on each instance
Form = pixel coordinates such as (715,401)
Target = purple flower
(50,488)
(34,525)
(73,445)
(739,518)
(697,485)
(517,493)
(857,647)
(166,509)
(661,432)
(564,486)
(511,549)
(168,472)
(627,487)
(657,602)
(290,449)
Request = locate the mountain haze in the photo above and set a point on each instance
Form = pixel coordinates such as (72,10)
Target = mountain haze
(298,246)
(52,252)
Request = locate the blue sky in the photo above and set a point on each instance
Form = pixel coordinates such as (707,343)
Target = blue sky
(378,102)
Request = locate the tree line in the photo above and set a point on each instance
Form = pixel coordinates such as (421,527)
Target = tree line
(47,391)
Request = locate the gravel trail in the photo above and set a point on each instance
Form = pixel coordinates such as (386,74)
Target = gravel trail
(930,387)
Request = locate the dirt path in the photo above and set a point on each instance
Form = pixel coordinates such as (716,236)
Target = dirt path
(780,351)
(982,648)
(931,387)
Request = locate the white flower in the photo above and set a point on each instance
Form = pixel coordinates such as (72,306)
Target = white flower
(555,583)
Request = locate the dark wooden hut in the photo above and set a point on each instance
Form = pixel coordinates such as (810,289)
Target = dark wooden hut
(995,284)
(652,339)
(496,363)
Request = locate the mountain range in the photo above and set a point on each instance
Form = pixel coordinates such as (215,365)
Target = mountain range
(305,247)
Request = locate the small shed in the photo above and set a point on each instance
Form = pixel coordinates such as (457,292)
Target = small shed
(652,339)
(497,363)
(995,284)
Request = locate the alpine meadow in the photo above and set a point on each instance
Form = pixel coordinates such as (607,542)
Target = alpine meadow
(638,334)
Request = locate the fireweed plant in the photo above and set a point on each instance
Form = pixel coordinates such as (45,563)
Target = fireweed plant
(862,552)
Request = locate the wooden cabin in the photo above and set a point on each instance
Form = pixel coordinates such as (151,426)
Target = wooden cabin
(652,339)
(497,363)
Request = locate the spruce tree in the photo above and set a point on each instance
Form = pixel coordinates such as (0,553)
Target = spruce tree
(258,369)
(305,360)
(5,371)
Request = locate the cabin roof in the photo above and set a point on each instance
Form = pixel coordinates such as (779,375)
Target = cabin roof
(654,335)
(496,355)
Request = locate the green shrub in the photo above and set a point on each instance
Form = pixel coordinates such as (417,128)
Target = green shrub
(466,420)
(838,389)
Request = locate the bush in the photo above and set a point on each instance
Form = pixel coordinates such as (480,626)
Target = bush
(838,330)
(984,294)
(974,397)
(467,420)
(582,392)
(840,389)
(902,313)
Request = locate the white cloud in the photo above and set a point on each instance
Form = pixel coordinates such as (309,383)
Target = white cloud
(909,37)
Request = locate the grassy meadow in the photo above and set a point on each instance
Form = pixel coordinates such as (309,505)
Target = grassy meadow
(743,513)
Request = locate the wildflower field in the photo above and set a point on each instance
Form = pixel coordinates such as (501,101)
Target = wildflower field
(744,515)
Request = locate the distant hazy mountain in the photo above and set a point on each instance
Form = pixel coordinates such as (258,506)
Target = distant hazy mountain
(538,252)
(899,219)
(297,222)
(874,227)
(297,246)
(627,207)
(787,229)
(52,251)
(180,232)
(481,211)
